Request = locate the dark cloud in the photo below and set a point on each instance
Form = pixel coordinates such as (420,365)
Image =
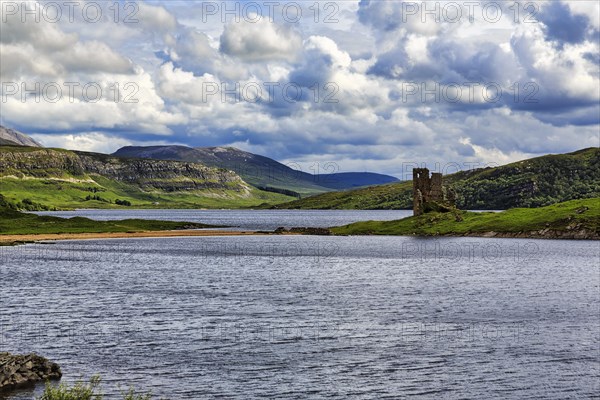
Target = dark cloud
(561,25)
(384,15)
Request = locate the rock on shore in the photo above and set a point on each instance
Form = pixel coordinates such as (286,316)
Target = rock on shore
(18,370)
(303,231)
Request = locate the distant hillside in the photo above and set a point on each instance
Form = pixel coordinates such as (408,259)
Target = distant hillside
(12,137)
(40,178)
(535,182)
(260,171)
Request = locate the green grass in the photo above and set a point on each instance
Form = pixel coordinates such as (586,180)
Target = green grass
(85,391)
(13,222)
(52,179)
(391,196)
(579,214)
(62,194)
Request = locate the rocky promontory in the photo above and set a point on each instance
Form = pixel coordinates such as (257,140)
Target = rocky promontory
(20,370)
(149,174)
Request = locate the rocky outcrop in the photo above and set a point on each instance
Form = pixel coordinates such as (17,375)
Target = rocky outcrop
(19,370)
(40,163)
(160,174)
(164,175)
(303,231)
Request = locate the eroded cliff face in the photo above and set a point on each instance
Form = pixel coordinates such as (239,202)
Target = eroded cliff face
(160,174)
(148,174)
(39,163)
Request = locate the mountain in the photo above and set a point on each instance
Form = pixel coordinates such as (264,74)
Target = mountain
(41,178)
(11,137)
(260,171)
(536,182)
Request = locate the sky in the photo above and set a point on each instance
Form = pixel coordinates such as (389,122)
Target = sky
(379,86)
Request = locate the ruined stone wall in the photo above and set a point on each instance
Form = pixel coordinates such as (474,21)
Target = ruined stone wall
(435,191)
(426,189)
(421,186)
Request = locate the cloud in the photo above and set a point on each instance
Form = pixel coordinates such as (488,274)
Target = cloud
(352,75)
(137,107)
(42,48)
(564,75)
(86,141)
(155,18)
(260,41)
(561,25)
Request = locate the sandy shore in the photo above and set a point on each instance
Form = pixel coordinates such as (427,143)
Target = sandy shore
(117,235)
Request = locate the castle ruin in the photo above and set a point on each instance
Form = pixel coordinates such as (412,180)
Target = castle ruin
(428,190)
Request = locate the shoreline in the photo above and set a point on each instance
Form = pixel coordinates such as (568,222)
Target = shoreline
(31,238)
(537,235)
(35,238)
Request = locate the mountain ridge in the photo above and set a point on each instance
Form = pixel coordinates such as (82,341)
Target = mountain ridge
(12,137)
(258,170)
(45,178)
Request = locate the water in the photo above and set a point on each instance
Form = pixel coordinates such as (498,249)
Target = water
(244,219)
(311,317)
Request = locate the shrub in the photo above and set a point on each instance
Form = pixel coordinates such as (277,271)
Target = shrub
(79,391)
(85,391)
(96,197)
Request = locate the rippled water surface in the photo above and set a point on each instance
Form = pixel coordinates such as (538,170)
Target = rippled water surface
(245,219)
(311,317)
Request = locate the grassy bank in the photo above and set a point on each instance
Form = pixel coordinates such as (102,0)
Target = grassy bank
(13,222)
(572,216)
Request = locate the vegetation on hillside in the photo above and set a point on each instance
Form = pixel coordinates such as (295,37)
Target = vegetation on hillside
(395,196)
(54,179)
(536,182)
(574,215)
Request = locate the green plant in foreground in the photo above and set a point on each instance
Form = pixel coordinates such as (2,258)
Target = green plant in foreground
(85,391)
(79,391)
(131,395)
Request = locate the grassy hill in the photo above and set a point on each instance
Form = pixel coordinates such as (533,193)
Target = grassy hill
(535,182)
(572,219)
(39,178)
(260,171)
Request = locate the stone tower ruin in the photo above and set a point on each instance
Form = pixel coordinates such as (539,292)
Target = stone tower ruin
(426,189)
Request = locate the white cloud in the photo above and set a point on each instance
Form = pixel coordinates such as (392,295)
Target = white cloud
(368,55)
(87,141)
(260,41)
